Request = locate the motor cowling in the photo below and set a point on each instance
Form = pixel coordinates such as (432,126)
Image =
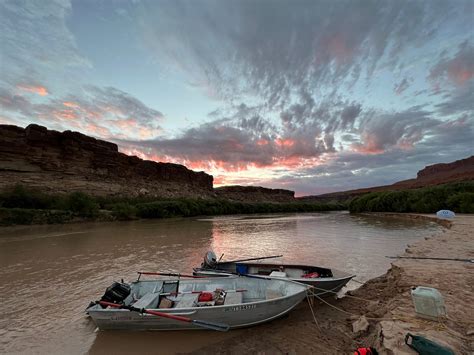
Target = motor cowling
(210,260)
(116,293)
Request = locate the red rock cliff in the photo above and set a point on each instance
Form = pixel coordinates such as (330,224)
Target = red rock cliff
(459,170)
(68,161)
(455,170)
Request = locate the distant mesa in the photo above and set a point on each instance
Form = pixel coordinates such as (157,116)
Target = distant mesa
(459,170)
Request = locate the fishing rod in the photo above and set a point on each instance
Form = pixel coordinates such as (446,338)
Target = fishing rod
(251,259)
(430,258)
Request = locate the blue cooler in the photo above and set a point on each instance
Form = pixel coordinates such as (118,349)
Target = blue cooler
(242,269)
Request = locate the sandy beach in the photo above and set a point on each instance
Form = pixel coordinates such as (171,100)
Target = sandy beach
(385,302)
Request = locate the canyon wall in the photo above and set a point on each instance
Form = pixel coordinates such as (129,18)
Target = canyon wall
(459,170)
(63,162)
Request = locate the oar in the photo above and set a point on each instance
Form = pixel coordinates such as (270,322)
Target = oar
(251,259)
(140,273)
(199,323)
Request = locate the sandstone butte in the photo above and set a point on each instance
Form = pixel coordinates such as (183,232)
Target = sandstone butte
(64,162)
(459,170)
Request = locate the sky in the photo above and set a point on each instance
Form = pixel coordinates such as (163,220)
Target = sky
(313,96)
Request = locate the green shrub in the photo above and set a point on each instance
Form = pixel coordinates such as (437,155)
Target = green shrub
(82,204)
(21,197)
(462,202)
(124,211)
(456,196)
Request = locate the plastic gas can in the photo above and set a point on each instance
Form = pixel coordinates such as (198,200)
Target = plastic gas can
(429,302)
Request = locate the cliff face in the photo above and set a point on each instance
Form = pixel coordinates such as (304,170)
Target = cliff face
(255,194)
(455,170)
(459,170)
(68,161)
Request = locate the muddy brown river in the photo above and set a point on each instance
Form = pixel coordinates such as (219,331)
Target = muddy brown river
(49,274)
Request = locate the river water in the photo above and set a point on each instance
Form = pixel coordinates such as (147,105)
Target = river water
(48,274)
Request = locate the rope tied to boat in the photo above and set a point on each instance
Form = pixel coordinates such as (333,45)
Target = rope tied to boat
(439,325)
(311,308)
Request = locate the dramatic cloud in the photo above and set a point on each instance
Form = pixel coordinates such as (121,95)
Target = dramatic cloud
(39,90)
(400,87)
(104,112)
(458,101)
(310,95)
(402,130)
(274,49)
(457,70)
(35,41)
(244,138)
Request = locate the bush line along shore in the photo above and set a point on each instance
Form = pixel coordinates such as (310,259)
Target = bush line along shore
(21,205)
(458,197)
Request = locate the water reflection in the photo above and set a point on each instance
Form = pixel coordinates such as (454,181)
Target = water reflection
(48,274)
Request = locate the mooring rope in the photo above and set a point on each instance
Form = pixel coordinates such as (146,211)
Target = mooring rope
(439,325)
(311,308)
(336,292)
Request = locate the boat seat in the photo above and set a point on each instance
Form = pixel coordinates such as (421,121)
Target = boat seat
(271,294)
(187,300)
(278,274)
(149,300)
(233,298)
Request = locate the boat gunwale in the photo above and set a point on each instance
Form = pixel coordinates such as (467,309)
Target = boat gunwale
(294,279)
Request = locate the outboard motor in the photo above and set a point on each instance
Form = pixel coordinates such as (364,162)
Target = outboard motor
(116,293)
(210,260)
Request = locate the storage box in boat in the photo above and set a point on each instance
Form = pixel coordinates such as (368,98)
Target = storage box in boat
(428,302)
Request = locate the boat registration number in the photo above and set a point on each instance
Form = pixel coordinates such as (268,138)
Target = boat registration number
(240,308)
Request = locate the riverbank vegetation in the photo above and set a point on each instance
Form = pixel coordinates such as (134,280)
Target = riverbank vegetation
(21,205)
(458,197)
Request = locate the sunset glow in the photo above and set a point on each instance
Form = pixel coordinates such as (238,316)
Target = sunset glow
(336,96)
(39,90)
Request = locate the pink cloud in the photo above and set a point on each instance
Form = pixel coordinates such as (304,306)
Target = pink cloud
(35,89)
(457,70)
(70,104)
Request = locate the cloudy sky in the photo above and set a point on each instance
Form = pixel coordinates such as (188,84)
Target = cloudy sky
(313,96)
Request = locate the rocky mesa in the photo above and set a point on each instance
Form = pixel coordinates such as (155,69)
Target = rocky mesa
(436,174)
(63,162)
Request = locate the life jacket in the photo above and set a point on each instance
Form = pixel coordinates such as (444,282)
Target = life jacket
(366,351)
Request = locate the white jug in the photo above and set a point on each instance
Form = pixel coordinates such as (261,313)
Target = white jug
(429,302)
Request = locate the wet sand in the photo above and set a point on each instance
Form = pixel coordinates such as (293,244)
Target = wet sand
(385,301)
